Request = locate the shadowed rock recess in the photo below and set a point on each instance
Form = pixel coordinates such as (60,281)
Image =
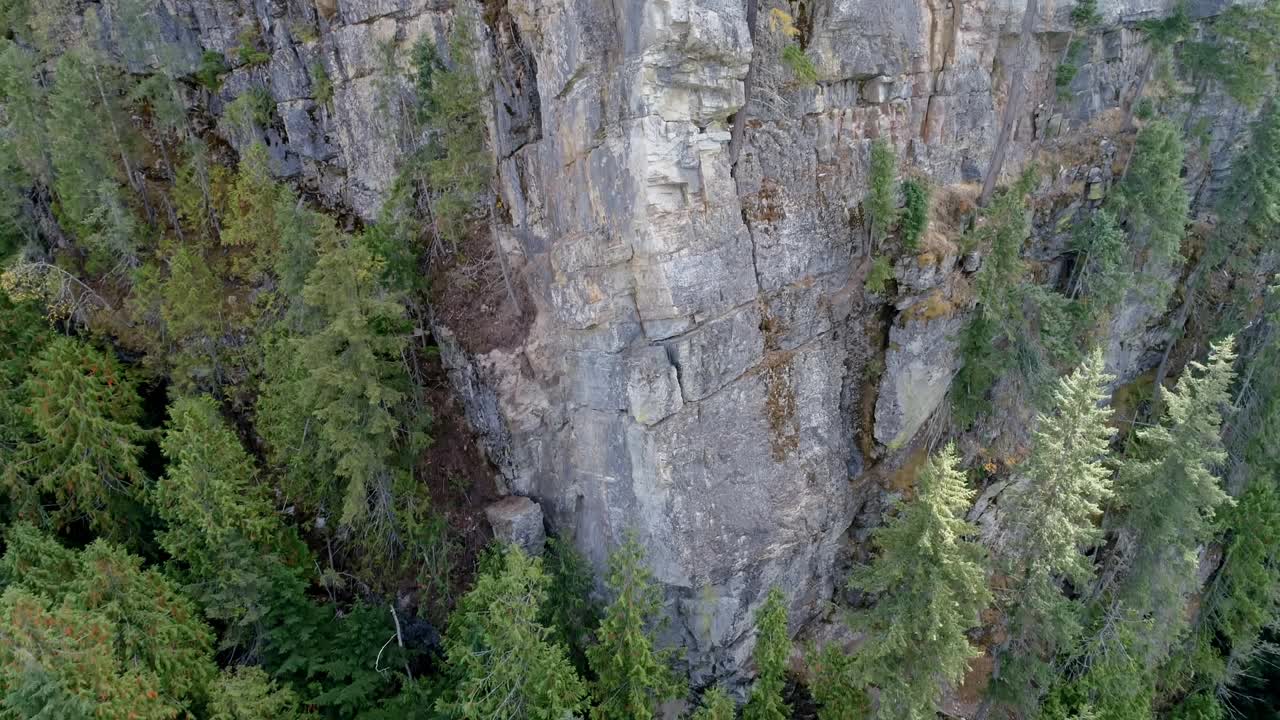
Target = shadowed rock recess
(703,363)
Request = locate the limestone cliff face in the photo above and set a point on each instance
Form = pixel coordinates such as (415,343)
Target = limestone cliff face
(704,367)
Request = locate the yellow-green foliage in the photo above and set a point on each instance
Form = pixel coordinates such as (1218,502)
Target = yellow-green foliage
(881,203)
(83,460)
(94,630)
(880,276)
(915,213)
(792,55)
(716,705)
(250,50)
(244,691)
(930,579)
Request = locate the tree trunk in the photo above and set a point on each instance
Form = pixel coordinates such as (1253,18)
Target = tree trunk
(1176,328)
(134,182)
(1013,107)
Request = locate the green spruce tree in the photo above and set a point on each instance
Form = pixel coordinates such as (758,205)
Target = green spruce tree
(773,648)
(94,628)
(246,692)
(329,411)
(570,610)
(715,705)
(930,582)
(1153,198)
(228,545)
(881,203)
(500,658)
(836,686)
(632,676)
(250,225)
(1171,494)
(1048,524)
(86,446)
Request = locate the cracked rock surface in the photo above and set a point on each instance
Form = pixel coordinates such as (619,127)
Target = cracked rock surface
(704,366)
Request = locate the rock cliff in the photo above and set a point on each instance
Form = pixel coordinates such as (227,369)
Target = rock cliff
(702,362)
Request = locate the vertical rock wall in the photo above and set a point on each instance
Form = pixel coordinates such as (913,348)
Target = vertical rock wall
(704,367)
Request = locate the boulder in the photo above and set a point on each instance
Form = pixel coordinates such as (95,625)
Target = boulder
(518,521)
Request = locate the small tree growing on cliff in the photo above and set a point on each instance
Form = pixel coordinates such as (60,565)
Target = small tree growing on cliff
(716,705)
(632,676)
(773,647)
(1152,197)
(881,204)
(931,584)
(451,104)
(915,212)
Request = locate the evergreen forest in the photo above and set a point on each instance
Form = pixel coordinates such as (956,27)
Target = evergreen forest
(235,485)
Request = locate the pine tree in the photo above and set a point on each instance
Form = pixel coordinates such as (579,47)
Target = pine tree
(570,611)
(1243,599)
(80,159)
(111,232)
(1048,526)
(1250,207)
(23,332)
(82,108)
(1152,196)
(250,224)
(1109,678)
(59,661)
(1102,266)
(25,103)
(200,192)
(499,656)
(192,306)
(1241,51)
(716,705)
(246,692)
(915,213)
(228,544)
(1172,494)
(86,447)
(452,102)
(93,626)
(17,209)
(881,203)
(329,411)
(632,676)
(342,661)
(931,585)
(836,686)
(1000,318)
(773,648)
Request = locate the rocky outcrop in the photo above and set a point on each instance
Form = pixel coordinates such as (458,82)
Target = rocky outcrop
(704,367)
(517,521)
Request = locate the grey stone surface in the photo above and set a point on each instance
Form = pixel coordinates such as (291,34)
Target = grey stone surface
(918,368)
(517,521)
(653,387)
(699,366)
(718,352)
